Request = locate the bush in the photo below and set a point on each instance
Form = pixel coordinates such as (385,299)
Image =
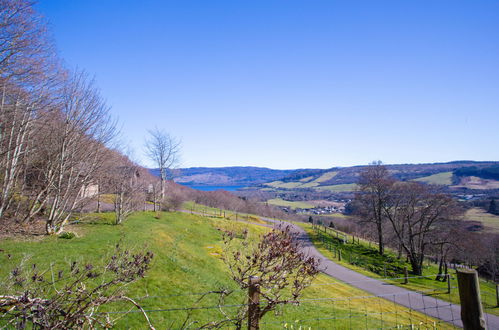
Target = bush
(67,235)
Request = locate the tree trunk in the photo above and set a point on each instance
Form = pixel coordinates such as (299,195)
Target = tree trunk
(440,276)
(417,265)
(381,244)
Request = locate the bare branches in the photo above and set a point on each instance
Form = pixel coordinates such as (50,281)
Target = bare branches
(284,271)
(164,151)
(375,184)
(71,298)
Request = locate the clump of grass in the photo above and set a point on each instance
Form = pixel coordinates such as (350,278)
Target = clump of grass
(67,235)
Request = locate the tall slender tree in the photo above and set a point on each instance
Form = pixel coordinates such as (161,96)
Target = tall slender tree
(375,184)
(164,151)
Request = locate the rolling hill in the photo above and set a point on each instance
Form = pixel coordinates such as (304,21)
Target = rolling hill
(227,176)
(458,176)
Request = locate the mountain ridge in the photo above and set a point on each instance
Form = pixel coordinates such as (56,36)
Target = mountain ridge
(257,176)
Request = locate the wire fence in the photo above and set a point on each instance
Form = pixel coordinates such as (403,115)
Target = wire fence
(340,307)
(382,311)
(337,308)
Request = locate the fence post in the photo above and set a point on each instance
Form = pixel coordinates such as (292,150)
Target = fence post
(448,282)
(406,275)
(253,303)
(339,254)
(469,295)
(497,294)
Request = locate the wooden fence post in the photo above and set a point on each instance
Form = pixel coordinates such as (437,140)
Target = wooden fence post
(339,255)
(406,275)
(448,282)
(254,303)
(469,295)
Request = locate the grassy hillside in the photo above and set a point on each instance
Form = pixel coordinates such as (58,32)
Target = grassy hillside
(293,205)
(363,258)
(444,178)
(339,187)
(490,221)
(474,175)
(187,261)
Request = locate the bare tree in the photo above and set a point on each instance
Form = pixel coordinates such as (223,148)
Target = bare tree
(283,270)
(70,149)
(416,213)
(128,188)
(26,54)
(28,71)
(70,297)
(163,150)
(375,184)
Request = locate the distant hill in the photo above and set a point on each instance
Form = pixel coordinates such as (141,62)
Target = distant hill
(458,175)
(227,176)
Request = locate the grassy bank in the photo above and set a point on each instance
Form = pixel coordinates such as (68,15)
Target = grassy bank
(362,257)
(187,251)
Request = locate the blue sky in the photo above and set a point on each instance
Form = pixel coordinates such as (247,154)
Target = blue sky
(294,84)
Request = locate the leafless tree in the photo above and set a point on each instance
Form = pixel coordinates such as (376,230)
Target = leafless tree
(71,297)
(70,149)
(375,185)
(416,213)
(284,271)
(128,188)
(28,72)
(26,53)
(163,150)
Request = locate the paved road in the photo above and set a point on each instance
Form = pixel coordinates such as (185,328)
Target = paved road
(428,305)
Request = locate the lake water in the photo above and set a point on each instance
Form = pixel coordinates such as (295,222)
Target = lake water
(212,188)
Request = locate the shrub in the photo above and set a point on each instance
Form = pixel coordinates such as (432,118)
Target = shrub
(67,235)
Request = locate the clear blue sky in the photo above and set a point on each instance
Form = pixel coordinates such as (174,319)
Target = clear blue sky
(294,84)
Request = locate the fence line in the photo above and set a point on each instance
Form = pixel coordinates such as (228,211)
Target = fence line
(189,294)
(376,279)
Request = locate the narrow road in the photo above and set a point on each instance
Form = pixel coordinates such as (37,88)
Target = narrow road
(428,305)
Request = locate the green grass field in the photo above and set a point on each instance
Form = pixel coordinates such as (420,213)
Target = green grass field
(187,261)
(444,178)
(339,187)
(290,204)
(303,183)
(326,177)
(490,221)
(363,258)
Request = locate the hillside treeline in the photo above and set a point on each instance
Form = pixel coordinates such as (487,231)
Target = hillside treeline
(491,172)
(57,137)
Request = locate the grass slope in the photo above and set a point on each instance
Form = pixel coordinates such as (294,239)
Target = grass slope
(187,260)
(326,176)
(339,187)
(293,205)
(490,221)
(444,179)
(363,258)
